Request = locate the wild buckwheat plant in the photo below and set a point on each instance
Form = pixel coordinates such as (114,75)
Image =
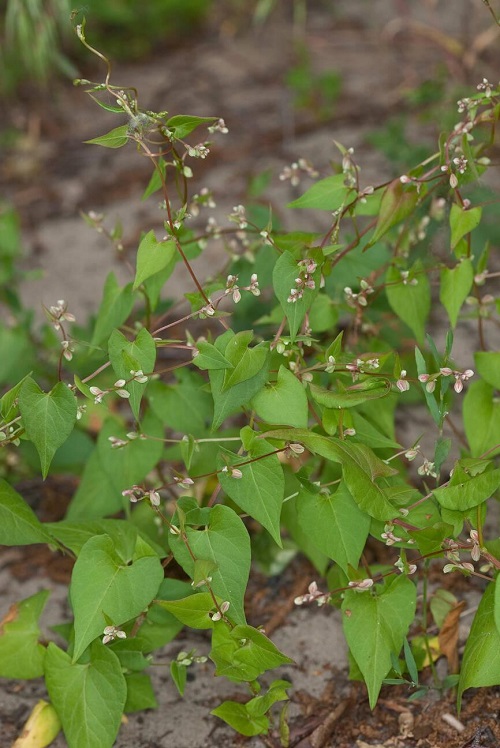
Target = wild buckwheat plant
(274,399)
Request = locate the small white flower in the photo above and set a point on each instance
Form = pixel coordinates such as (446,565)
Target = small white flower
(98,394)
(220,126)
(138,376)
(362,585)
(111,633)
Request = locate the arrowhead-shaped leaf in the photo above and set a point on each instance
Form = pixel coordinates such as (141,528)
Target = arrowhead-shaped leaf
(48,418)
(111,581)
(375,626)
(285,272)
(456,284)
(259,491)
(116,305)
(335,524)
(283,401)
(127,356)
(152,257)
(411,303)
(224,541)
(113,139)
(481,659)
(463,221)
(360,466)
(88,698)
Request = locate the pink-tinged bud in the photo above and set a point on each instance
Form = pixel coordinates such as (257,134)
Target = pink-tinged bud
(362,585)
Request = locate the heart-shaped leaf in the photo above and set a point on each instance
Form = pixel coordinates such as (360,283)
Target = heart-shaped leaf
(110,583)
(48,418)
(88,698)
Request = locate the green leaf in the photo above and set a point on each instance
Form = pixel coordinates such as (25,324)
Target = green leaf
(462,222)
(19,525)
(227,401)
(74,535)
(109,471)
(259,491)
(225,541)
(359,468)
(429,397)
(9,401)
(369,435)
(160,627)
(152,257)
(140,694)
(245,362)
(110,581)
(48,418)
(21,654)
(290,520)
(179,676)
(481,413)
(335,524)
(243,653)
(116,305)
(127,356)
(184,405)
(237,717)
(89,698)
(192,611)
(261,704)
(456,284)
(330,194)
(411,303)
(372,389)
(208,357)
(488,367)
(481,658)
(283,401)
(398,202)
(184,124)
(375,626)
(468,493)
(115,138)
(285,272)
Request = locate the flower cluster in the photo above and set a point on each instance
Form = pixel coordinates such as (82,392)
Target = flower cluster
(358,299)
(239,216)
(388,535)
(233,289)
(404,567)
(137,493)
(203,199)
(402,384)
(362,585)
(220,126)
(111,633)
(460,377)
(293,172)
(233,472)
(198,151)
(304,280)
(313,595)
(427,468)
(58,313)
(185,659)
(184,482)
(485,86)
(224,607)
